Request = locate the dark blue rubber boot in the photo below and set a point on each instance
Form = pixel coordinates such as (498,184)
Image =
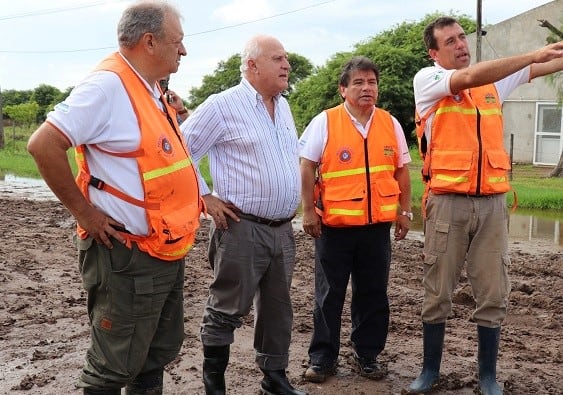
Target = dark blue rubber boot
(433,344)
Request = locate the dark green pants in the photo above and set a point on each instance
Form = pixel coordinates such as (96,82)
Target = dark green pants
(135,306)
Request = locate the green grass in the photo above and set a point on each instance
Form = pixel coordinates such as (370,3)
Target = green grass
(14,157)
(533,188)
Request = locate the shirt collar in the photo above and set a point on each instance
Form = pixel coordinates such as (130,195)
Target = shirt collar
(354,118)
(154,91)
(253,94)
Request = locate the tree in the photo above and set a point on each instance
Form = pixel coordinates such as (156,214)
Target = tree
(46,97)
(12,97)
(24,114)
(317,92)
(398,52)
(227,75)
(9,98)
(556,80)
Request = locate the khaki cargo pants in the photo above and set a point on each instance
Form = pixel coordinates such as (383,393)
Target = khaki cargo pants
(472,231)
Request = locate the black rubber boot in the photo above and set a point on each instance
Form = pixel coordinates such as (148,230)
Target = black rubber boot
(105,391)
(275,382)
(149,383)
(215,361)
(433,344)
(488,352)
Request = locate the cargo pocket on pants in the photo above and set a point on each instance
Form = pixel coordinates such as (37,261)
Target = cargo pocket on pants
(506,279)
(87,263)
(111,344)
(439,240)
(429,279)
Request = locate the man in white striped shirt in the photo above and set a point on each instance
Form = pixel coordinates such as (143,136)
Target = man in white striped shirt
(250,138)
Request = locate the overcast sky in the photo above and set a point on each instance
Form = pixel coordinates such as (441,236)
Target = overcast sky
(57,42)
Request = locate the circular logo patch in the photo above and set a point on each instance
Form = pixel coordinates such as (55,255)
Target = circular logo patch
(165,145)
(344,155)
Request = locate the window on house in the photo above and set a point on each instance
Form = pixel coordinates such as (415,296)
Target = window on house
(549,141)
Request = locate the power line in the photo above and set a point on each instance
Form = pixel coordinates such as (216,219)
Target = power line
(261,19)
(114,46)
(57,50)
(53,10)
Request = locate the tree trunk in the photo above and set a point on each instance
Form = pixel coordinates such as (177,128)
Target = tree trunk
(558,171)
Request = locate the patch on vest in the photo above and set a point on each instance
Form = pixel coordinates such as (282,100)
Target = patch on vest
(490,98)
(165,145)
(388,151)
(344,155)
(457,98)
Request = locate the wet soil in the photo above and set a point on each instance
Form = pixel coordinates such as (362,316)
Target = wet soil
(44,330)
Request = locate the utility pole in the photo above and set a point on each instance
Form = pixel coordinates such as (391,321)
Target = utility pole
(479,31)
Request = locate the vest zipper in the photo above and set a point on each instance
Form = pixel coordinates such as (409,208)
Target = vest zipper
(480,161)
(368,181)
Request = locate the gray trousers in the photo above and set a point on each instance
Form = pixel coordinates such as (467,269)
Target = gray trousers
(252,263)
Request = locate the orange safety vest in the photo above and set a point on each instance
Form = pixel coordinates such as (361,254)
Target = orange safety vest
(356,184)
(171,193)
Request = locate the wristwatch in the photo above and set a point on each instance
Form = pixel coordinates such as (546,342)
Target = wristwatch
(408,214)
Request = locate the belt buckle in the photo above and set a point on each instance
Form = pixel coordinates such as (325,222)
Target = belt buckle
(274,222)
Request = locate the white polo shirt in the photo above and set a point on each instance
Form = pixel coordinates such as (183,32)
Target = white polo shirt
(99,111)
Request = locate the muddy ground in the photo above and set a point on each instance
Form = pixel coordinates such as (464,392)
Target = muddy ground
(44,328)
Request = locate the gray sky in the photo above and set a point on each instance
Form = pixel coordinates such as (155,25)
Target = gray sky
(59,41)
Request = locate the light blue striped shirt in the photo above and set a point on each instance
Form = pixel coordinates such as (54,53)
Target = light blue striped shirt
(253,160)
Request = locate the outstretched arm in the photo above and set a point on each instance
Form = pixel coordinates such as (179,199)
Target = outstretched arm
(491,71)
(541,69)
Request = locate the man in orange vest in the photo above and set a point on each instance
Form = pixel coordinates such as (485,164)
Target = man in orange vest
(460,129)
(136,221)
(355,181)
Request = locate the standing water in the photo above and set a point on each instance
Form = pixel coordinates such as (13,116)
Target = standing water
(529,228)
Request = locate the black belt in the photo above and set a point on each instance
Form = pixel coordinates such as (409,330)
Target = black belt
(481,196)
(264,221)
(122,229)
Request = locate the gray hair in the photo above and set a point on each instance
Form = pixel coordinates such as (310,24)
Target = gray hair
(252,50)
(144,16)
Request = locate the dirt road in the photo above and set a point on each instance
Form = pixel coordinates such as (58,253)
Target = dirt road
(44,328)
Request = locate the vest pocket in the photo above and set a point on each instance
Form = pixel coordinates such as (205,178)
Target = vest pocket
(177,224)
(385,194)
(451,171)
(172,234)
(343,192)
(497,164)
(344,204)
